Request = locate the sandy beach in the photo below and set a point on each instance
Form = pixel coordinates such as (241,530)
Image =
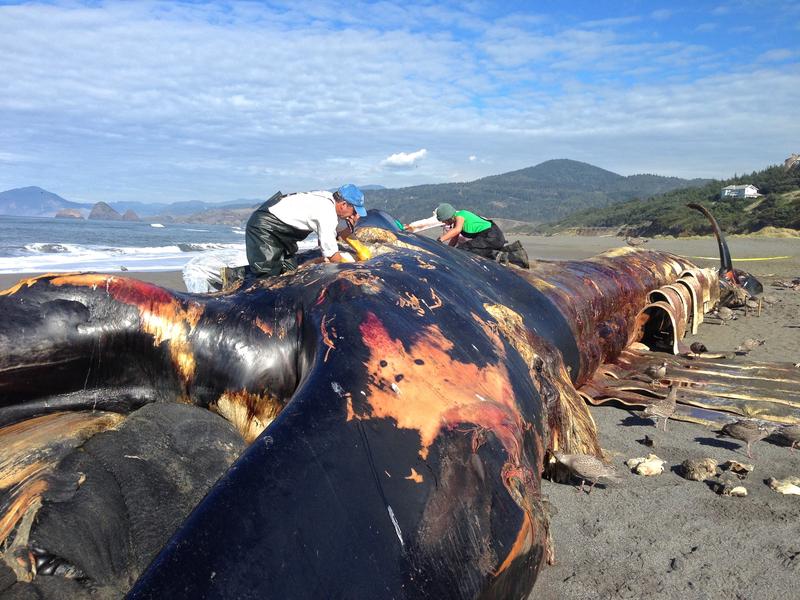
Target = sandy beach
(167,279)
(665,536)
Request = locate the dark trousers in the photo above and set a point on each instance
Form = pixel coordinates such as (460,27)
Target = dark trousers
(487,243)
(271,244)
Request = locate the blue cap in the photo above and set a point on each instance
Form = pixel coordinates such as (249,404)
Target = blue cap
(352,195)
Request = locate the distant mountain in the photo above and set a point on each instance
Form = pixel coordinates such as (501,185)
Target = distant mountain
(233,216)
(34,202)
(546,192)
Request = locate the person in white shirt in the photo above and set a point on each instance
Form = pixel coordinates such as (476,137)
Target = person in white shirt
(276,226)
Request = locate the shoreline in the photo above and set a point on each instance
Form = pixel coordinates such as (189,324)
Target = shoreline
(761,256)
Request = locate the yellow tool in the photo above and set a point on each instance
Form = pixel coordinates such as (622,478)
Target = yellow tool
(362,252)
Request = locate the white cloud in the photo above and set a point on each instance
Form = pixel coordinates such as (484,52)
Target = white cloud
(706,27)
(777,55)
(13,157)
(614,22)
(177,101)
(404,160)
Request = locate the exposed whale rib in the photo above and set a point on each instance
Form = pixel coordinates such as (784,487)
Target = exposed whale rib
(710,391)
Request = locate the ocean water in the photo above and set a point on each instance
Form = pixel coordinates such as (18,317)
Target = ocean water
(40,245)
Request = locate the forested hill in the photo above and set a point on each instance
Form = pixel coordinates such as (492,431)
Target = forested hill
(546,192)
(667,213)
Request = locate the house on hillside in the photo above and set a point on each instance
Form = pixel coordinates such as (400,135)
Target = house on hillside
(740,191)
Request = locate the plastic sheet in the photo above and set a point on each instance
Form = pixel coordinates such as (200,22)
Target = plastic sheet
(203,273)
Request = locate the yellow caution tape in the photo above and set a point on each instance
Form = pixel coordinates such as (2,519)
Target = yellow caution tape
(362,252)
(742,259)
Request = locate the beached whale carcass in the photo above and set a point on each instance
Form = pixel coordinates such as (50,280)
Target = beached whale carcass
(398,413)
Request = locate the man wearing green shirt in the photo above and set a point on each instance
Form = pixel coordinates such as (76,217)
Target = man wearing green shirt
(484,237)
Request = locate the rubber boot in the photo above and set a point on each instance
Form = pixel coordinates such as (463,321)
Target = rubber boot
(517,255)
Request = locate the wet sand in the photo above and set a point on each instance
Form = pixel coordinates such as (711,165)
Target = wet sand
(666,537)
(168,279)
(669,538)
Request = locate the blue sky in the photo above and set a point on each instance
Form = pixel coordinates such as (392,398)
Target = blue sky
(171,101)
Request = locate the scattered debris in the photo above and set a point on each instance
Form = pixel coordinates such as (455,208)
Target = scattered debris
(728,485)
(790,485)
(738,491)
(794,284)
(741,470)
(649,466)
(735,297)
(699,469)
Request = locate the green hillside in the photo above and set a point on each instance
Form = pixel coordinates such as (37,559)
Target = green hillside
(544,193)
(667,214)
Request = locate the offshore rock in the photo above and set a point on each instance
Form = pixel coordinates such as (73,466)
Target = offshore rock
(102,211)
(69,213)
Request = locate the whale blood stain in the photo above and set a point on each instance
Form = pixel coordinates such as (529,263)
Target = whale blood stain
(433,398)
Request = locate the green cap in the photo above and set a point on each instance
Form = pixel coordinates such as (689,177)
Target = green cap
(445,212)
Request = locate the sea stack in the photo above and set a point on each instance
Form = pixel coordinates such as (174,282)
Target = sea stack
(104,212)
